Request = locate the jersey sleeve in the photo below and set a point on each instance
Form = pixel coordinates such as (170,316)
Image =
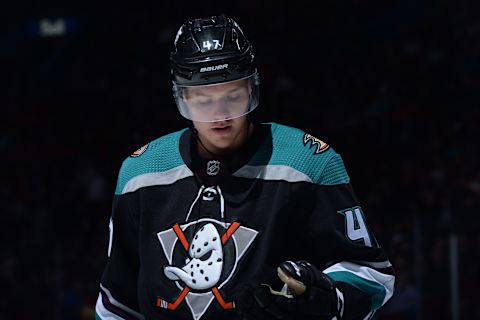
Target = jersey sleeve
(352,256)
(117,297)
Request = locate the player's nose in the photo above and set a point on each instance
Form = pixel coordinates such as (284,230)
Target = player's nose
(221,111)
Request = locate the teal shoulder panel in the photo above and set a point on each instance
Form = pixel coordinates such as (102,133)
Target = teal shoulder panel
(334,171)
(299,150)
(159,155)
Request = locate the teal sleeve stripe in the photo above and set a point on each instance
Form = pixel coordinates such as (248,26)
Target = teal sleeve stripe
(373,289)
(97,317)
(289,149)
(161,155)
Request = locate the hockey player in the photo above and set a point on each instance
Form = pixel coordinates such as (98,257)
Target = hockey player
(231,218)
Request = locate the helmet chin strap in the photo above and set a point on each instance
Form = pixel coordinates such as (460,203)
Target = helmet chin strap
(201,145)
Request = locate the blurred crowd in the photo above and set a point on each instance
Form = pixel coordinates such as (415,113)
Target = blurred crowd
(393,87)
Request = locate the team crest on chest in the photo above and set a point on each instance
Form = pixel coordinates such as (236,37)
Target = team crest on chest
(319,145)
(202,257)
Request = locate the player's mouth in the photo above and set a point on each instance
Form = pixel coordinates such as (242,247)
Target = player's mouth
(222,129)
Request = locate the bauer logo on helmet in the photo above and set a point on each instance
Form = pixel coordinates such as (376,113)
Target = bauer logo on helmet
(214,68)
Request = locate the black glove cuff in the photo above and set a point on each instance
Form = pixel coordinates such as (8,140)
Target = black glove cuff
(322,289)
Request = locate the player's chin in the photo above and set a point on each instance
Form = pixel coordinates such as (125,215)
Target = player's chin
(222,143)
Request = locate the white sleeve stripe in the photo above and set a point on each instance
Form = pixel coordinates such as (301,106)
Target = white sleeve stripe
(102,313)
(369,280)
(156,178)
(117,304)
(340,302)
(370,315)
(376,265)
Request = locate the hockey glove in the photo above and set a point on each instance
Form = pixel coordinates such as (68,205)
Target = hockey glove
(308,293)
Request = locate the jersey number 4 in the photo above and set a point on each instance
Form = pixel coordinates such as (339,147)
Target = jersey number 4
(355,227)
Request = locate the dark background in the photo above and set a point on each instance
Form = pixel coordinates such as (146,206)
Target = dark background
(393,86)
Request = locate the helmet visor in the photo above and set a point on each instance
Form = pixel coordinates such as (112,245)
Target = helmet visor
(217,102)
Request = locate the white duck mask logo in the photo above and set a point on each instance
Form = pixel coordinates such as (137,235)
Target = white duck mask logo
(204,267)
(210,259)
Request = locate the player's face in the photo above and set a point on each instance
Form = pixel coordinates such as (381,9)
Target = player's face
(223,135)
(218,102)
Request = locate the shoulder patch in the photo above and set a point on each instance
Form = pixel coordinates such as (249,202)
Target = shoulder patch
(311,141)
(139,151)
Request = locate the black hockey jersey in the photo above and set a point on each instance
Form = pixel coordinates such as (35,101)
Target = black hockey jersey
(187,233)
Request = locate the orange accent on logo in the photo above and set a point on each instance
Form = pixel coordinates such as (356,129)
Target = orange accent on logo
(223,303)
(172,306)
(231,229)
(180,235)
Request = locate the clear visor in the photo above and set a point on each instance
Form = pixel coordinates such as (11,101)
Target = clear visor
(217,102)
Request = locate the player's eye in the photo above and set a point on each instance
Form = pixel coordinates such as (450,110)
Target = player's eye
(202,102)
(233,98)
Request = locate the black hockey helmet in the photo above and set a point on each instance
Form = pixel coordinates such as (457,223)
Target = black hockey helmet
(211,50)
(209,53)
